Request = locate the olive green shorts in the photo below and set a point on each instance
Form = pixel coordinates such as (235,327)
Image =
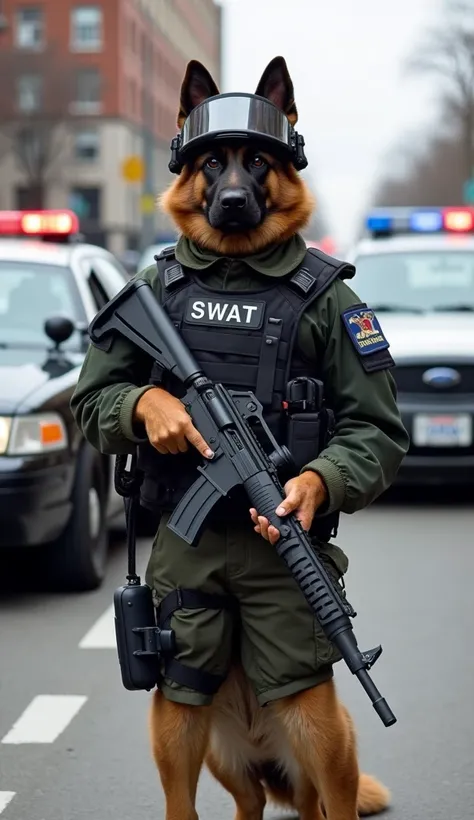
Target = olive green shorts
(282,647)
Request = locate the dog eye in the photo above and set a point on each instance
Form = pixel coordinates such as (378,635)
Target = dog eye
(258,162)
(213,163)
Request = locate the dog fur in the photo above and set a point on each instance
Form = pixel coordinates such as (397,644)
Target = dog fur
(299,752)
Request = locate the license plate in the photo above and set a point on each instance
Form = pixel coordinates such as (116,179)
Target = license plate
(442,431)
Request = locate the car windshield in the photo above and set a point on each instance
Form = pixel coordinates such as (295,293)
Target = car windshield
(30,293)
(417,281)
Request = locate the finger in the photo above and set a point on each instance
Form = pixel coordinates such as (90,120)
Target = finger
(161,449)
(194,437)
(182,444)
(257,529)
(254,515)
(264,524)
(290,503)
(172,446)
(273,534)
(305,514)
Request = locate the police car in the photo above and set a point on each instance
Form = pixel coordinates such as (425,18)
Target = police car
(415,270)
(56,492)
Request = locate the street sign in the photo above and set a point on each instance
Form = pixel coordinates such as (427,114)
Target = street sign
(147,204)
(468,192)
(133,169)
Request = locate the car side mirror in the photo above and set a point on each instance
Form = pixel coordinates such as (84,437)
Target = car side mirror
(59,329)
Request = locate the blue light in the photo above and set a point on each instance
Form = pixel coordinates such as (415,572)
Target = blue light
(426,221)
(378,224)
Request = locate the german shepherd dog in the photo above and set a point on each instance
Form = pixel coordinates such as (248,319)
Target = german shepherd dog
(299,752)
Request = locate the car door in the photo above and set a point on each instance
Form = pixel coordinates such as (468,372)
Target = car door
(104,280)
(109,274)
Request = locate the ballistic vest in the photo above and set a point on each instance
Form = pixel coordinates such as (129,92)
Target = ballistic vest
(242,339)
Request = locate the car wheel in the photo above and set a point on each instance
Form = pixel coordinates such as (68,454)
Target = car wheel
(78,558)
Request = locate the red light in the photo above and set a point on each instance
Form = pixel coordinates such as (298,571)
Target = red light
(10,223)
(459,220)
(41,223)
(38,223)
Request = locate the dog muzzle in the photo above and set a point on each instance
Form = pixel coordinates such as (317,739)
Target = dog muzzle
(239,117)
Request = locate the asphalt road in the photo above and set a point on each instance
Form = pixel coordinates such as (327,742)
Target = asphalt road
(73,742)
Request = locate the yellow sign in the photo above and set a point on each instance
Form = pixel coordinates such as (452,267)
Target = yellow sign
(147,204)
(133,169)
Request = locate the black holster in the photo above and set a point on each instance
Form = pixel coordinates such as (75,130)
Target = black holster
(140,642)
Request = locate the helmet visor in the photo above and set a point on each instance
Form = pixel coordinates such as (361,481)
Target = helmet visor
(236,117)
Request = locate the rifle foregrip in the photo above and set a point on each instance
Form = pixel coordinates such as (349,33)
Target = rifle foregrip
(294,547)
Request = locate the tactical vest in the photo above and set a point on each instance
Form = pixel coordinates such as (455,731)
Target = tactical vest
(242,339)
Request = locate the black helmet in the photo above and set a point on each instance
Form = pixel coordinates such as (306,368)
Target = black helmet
(233,116)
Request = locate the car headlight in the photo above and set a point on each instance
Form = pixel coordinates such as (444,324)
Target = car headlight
(35,434)
(5,424)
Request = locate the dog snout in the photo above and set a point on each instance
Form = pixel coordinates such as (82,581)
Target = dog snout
(234,200)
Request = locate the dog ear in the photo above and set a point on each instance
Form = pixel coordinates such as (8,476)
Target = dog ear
(197,86)
(276,85)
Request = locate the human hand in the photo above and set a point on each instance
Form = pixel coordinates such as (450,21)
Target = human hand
(167,423)
(304,495)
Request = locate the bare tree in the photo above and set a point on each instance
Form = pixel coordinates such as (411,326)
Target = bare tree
(448,52)
(36,94)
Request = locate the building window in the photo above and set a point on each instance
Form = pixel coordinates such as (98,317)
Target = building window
(29,31)
(88,92)
(86,28)
(86,145)
(85,202)
(29,93)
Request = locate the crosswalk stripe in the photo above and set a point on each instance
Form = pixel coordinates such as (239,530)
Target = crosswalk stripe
(5,798)
(102,634)
(44,719)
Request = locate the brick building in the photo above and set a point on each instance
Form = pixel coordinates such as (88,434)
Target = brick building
(90,84)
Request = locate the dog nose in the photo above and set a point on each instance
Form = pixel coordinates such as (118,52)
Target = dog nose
(233,200)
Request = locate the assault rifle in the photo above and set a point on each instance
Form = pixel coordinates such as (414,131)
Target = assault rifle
(226,419)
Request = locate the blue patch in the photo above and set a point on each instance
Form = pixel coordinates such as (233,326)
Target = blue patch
(364,330)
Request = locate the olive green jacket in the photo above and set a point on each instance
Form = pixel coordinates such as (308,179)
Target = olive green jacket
(370,442)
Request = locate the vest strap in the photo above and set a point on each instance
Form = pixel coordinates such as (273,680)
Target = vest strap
(268,361)
(173,275)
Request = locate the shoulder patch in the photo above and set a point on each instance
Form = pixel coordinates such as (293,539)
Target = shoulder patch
(364,330)
(367,337)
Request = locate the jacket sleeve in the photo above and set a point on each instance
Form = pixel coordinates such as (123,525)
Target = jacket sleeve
(362,459)
(109,386)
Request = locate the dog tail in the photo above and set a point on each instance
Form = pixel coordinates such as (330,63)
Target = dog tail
(373,797)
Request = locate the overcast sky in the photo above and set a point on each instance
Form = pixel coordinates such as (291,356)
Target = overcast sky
(354,100)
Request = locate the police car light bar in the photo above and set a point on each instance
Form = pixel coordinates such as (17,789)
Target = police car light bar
(38,223)
(390,221)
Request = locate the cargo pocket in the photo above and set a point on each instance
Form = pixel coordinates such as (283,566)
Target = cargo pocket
(155,568)
(336,563)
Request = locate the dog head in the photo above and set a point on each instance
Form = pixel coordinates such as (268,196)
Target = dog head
(237,199)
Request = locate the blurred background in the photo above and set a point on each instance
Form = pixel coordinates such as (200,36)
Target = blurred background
(89,95)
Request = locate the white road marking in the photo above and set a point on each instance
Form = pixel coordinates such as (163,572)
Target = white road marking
(102,634)
(44,719)
(5,798)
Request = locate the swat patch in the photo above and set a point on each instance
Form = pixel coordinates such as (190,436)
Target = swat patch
(236,313)
(364,330)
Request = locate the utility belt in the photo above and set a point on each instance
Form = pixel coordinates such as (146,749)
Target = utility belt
(146,643)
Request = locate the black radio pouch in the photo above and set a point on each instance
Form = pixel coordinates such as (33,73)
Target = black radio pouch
(310,427)
(140,642)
